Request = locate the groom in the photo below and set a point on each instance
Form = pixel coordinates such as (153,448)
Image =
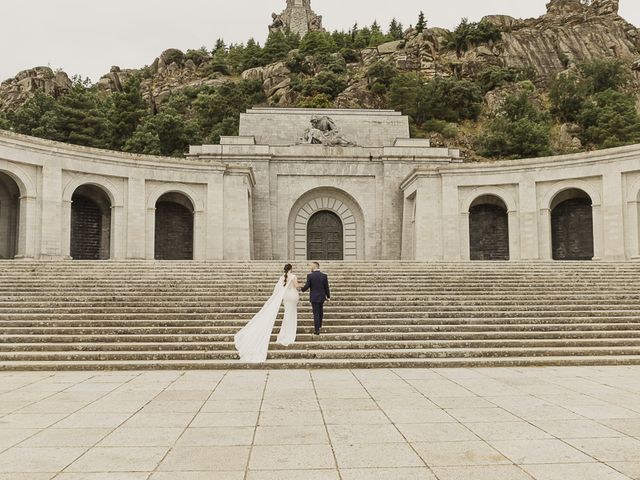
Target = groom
(318,282)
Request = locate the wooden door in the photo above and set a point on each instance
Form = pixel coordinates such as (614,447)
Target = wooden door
(325,237)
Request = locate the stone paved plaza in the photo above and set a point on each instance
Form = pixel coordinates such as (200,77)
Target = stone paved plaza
(457,424)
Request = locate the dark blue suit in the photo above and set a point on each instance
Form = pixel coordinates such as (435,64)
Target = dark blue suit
(318,283)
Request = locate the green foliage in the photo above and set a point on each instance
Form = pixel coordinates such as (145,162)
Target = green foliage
(452,100)
(520,130)
(380,75)
(5,123)
(567,94)
(493,77)
(278,46)
(445,99)
(377,37)
(446,129)
(406,95)
(317,101)
(317,43)
(396,30)
(594,96)
(167,133)
(326,82)
(126,113)
(37,117)
(173,55)
(469,34)
(605,74)
(610,119)
(198,57)
(422,23)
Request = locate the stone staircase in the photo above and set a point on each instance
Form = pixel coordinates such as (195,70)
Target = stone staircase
(139,315)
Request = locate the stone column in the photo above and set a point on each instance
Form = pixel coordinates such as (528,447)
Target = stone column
(529,231)
(136,219)
(215,217)
(199,235)
(613,216)
(429,218)
(150,233)
(633,227)
(598,233)
(66,228)
(27,228)
(118,233)
(52,211)
(544,234)
(237,239)
(465,236)
(514,235)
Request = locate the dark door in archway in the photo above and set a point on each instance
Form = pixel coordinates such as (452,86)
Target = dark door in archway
(489,232)
(174,228)
(90,224)
(572,230)
(325,237)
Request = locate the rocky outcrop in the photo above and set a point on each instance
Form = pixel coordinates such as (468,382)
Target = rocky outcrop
(16,91)
(569,33)
(275,78)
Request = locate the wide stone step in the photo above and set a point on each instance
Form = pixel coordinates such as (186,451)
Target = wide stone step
(392,336)
(325,353)
(332,363)
(319,345)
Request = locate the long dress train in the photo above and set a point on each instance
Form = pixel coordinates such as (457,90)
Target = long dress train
(252,342)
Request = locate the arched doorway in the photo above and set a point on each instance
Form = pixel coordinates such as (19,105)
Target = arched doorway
(9,215)
(90,224)
(325,236)
(174,227)
(488,229)
(572,226)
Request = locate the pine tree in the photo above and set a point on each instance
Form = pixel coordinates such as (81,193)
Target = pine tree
(219,47)
(422,23)
(127,110)
(396,32)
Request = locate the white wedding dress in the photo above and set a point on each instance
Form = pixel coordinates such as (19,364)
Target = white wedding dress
(252,342)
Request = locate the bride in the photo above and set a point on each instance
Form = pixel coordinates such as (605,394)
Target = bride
(252,342)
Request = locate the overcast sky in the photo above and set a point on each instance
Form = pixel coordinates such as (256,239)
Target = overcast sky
(87,37)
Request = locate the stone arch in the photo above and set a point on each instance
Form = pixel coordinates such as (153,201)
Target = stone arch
(557,188)
(332,200)
(572,229)
(174,227)
(9,216)
(633,209)
(114,193)
(505,196)
(184,189)
(23,180)
(91,226)
(488,228)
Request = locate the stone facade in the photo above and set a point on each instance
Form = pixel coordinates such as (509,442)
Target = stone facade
(252,197)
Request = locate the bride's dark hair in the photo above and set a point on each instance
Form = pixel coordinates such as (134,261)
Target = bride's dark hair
(287,268)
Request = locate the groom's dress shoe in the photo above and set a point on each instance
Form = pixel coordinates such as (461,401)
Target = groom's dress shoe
(317,332)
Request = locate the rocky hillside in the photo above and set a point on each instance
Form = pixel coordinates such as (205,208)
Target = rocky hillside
(571,32)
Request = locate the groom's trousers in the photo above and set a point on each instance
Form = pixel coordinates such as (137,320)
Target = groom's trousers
(318,315)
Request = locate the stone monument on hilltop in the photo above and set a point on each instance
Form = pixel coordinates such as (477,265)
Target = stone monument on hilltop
(298,17)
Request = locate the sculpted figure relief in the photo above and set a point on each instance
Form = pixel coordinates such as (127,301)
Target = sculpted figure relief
(324,131)
(298,17)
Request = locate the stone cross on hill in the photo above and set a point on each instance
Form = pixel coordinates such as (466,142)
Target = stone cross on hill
(297,17)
